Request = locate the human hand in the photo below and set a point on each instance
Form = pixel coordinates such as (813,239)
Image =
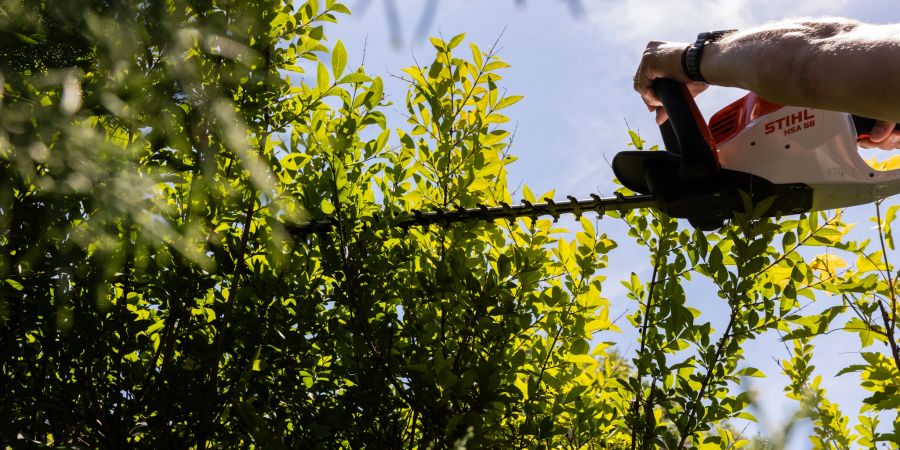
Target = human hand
(662,60)
(883,136)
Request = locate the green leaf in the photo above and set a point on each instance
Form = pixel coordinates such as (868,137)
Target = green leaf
(326,206)
(15,284)
(580,347)
(437,43)
(581,359)
(751,372)
(340,8)
(760,208)
(715,258)
(507,101)
(636,140)
(456,40)
(476,54)
(527,194)
(25,38)
(446,378)
(295,161)
(375,93)
(322,77)
(494,65)
(338,59)
(851,368)
(863,330)
(889,217)
(496,118)
(258,426)
(417,77)
(788,240)
(355,77)
(493,137)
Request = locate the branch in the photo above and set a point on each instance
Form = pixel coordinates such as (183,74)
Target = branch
(888,319)
(636,404)
(692,412)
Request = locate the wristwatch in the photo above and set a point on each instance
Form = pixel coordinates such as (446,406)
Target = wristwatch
(690,58)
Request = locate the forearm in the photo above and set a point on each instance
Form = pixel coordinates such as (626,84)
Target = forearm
(831,64)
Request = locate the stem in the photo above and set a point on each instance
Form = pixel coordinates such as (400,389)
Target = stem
(888,319)
(206,415)
(636,404)
(709,374)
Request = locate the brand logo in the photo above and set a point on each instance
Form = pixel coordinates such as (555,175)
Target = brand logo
(792,123)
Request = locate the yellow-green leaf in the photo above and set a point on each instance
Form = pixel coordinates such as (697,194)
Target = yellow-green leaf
(456,40)
(326,206)
(322,77)
(338,59)
(507,101)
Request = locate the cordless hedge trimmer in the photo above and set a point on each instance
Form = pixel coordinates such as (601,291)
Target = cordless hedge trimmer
(789,159)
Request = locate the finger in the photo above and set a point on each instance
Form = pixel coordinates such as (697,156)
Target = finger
(645,74)
(638,78)
(889,143)
(661,116)
(881,131)
(865,143)
(648,94)
(650,98)
(643,84)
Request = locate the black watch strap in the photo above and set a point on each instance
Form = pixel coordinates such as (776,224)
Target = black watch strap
(690,58)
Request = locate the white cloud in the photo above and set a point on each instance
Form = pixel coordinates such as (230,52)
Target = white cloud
(642,20)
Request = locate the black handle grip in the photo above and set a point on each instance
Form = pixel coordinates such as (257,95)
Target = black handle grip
(694,144)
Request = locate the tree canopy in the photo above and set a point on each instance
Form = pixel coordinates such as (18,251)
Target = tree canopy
(156,154)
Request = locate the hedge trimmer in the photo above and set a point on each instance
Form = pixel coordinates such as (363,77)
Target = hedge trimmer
(785,159)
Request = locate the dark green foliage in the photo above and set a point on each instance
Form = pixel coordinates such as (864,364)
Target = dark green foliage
(154,155)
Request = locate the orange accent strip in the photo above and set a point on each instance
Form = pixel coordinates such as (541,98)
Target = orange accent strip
(741,112)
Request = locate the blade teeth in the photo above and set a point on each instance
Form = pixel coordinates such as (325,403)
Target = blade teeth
(457,213)
(551,206)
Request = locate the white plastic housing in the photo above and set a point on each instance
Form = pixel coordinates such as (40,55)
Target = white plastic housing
(810,146)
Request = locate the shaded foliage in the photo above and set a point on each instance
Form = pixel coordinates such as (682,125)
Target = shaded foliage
(156,154)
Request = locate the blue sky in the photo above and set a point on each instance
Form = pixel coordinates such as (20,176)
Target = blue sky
(575,73)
